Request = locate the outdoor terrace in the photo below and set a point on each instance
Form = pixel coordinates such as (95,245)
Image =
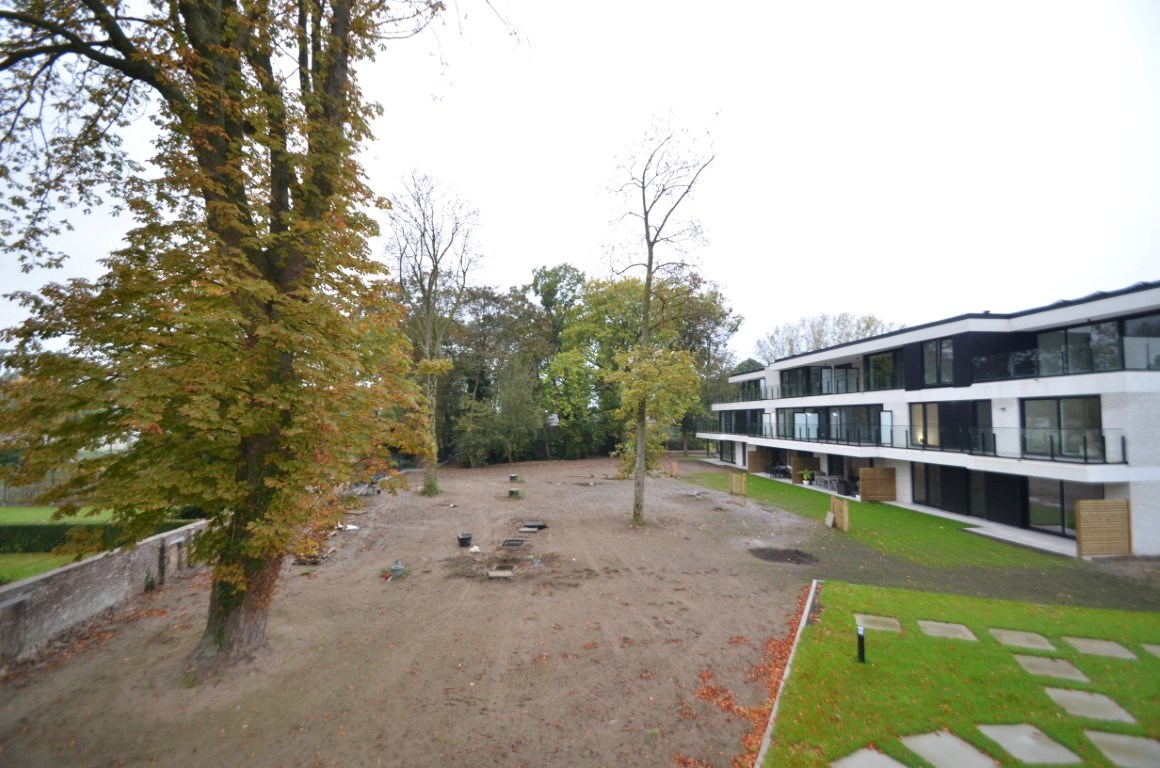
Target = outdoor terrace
(1084,446)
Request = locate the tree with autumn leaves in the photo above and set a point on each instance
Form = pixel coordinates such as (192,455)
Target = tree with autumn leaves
(241,344)
(661,385)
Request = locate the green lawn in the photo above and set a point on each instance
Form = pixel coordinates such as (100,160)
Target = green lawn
(914,684)
(23,566)
(933,542)
(26,515)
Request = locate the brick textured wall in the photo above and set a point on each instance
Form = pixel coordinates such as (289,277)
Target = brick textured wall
(34,610)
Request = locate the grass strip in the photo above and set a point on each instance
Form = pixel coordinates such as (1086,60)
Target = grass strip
(26,565)
(43,515)
(914,684)
(933,542)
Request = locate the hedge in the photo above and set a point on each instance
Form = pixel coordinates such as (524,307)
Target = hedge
(40,537)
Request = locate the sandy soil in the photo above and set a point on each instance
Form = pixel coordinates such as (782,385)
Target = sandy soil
(590,655)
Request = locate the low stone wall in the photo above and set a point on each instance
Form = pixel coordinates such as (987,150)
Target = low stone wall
(34,610)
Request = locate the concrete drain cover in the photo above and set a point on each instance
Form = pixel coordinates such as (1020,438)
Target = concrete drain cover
(773,555)
(513,543)
(502,571)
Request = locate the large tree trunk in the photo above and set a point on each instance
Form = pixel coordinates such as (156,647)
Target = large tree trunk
(641,467)
(236,625)
(431,462)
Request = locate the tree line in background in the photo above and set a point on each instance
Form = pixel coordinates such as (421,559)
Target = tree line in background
(529,372)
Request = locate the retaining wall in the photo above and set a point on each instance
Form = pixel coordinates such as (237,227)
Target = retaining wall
(34,610)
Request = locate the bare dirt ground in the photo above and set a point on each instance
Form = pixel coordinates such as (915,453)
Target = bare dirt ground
(590,655)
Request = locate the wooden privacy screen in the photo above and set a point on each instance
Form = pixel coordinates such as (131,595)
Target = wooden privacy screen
(798,463)
(1103,527)
(737,483)
(840,508)
(758,458)
(876,484)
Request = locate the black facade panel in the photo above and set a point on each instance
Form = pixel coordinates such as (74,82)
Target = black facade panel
(956,489)
(961,369)
(912,366)
(1006,499)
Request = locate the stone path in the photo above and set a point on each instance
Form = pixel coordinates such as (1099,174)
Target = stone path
(1024,742)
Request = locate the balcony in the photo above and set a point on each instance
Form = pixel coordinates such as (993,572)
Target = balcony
(836,381)
(750,394)
(1045,361)
(1083,446)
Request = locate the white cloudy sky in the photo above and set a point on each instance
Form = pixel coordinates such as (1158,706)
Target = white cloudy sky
(910,159)
(914,160)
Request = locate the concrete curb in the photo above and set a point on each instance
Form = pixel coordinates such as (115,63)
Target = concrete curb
(785,676)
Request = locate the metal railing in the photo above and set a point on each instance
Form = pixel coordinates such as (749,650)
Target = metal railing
(1042,362)
(842,381)
(1087,446)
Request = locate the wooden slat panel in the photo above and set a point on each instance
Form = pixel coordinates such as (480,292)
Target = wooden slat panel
(758,458)
(841,509)
(737,483)
(1103,527)
(798,463)
(876,484)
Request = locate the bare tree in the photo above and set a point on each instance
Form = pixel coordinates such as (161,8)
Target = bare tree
(430,245)
(661,177)
(818,332)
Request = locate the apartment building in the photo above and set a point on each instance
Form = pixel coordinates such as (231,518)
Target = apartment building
(1011,418)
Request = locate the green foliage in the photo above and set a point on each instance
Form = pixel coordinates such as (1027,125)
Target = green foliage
(666,384)
(473,433)
(919,684)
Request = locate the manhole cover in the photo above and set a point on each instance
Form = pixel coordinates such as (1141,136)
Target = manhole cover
(513,543)
(772,555)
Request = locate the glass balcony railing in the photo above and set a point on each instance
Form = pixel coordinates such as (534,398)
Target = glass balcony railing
(837,381)
(1087,446)
(750,395)
(1045,361)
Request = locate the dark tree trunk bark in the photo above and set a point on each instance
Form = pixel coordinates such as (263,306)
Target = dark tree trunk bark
(236,625)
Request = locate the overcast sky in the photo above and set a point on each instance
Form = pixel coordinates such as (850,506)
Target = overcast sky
(914,160)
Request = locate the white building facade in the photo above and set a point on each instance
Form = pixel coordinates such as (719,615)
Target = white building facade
(1009,418)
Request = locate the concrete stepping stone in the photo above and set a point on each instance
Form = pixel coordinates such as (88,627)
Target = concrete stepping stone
(1086,704)
(1021,639)
(1060,668)
(1127,751)
(880,623)
(1029,744)
(1152,649)
(942,629)
(1094,647)
(867,758)
(943,749)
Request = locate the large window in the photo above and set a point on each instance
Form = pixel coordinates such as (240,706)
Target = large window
(1142,343)
(1051,503)
(924,424)
(1068,427)
(938,362)
(1083,349)
(884,370)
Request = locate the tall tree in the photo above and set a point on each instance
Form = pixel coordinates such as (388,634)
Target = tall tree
(233,344)
(498,347)
(818,332)
(661,178)
(430,245)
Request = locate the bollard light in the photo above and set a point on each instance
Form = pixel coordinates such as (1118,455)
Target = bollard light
(861,645)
